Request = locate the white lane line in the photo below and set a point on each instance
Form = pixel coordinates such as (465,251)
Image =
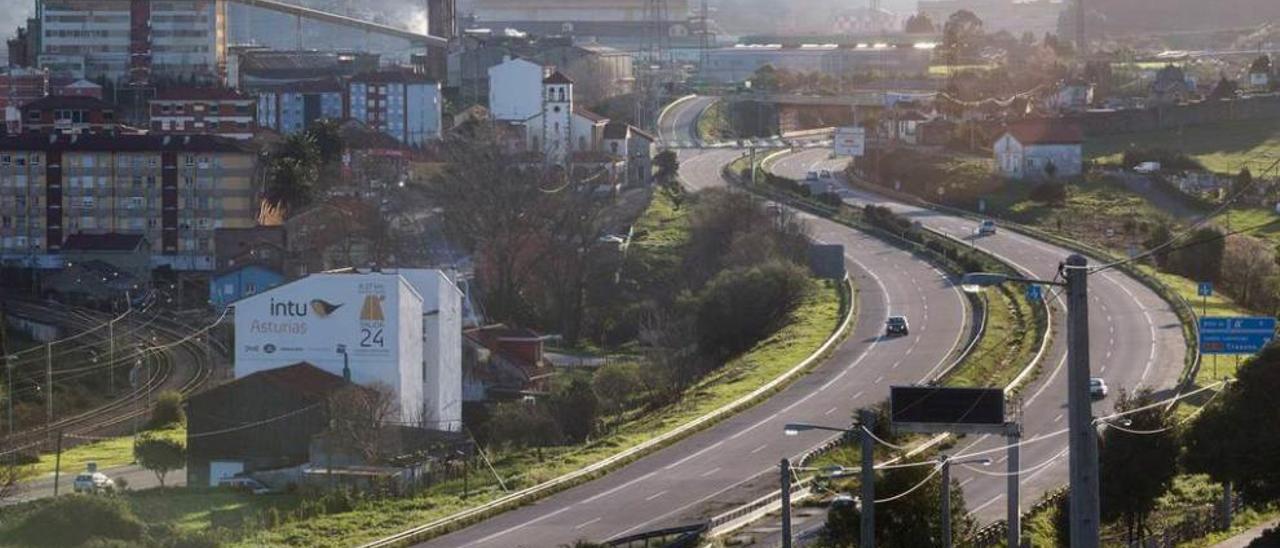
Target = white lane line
(1104,368)
(830,411)
(584,524)
(878,379)
(1058,418)
(858,395)
(965,482)
(522,525)
(759,449)
(656,495)
(618,488)
(709,472)
(699,453)
(985,504)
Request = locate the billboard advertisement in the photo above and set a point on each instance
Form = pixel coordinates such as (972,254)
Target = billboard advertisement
(370,323)
(850,141)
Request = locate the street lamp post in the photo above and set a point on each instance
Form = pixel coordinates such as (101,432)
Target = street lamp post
(866,420)
(8,366)
(945,462)
(1083,445)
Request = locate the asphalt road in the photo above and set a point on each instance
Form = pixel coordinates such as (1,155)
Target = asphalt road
(735,461)
(1135,341)
(137,477)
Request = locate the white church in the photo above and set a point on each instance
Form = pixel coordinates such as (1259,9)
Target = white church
(536,103)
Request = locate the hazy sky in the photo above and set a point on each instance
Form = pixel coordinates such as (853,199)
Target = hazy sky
(12,17)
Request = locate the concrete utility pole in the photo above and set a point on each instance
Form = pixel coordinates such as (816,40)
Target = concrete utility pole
(1084,441)
(1013,517)
(784,468)
(867,420)
(48,381)
(946,502)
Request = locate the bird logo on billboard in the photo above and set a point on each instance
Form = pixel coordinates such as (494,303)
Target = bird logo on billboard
(372,310)
(323,308)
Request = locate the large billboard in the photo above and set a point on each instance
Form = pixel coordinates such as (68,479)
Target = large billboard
(940,409)
(371,323)
(850,141)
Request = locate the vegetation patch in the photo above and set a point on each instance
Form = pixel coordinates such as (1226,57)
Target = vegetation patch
(1222,148)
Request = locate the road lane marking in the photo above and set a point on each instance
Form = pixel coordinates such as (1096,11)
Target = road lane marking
(656,495)
(522,525)
(618,488)
(699,453)
(1058,418)
(759,449)
(709,472)
(584,524)
(878,379)
(830,411)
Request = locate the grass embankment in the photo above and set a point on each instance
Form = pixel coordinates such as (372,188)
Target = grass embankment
(713,124)
(1223,148)
(106,453)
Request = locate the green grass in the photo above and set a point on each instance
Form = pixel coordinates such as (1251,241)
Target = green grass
(1007,345)
(1237,219)
(107,453)
(1223,148)
(714,125)
(1241,521)
(811,324)
(947,70)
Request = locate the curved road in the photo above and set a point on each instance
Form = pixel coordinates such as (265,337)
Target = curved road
(735,461)
(1136,340)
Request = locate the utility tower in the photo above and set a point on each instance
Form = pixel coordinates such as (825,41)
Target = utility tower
(654,65)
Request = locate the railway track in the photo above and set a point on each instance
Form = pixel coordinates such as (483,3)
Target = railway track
(177,358)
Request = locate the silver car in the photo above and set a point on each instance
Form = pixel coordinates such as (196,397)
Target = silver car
(1098,388)
(95,482)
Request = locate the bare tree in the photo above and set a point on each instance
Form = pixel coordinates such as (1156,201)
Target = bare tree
(12,475)
(1247,265)
(358,416)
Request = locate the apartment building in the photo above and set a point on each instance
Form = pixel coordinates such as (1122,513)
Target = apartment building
(138,40)
(402,104)
(290,108)
(190,111)
(175,191)
(68,114)
(19,86)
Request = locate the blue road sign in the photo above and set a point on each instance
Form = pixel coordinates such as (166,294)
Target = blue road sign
(1235,335)
(1034,293)
(1205,289)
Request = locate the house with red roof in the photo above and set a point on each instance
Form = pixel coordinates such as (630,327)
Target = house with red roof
(1040,149)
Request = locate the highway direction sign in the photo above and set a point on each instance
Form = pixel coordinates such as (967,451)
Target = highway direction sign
(850,141)
(1034,293)
(1235,335)
(1205,289)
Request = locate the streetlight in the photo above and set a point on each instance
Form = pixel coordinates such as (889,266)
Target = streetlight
(945,462)
(866,421)
(8,366)
(1083,443)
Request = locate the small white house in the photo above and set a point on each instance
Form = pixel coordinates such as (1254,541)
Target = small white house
(515,89)
(1026,149)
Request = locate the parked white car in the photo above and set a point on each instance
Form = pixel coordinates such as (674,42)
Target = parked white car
(1098,388)
(246,484)
(95,482)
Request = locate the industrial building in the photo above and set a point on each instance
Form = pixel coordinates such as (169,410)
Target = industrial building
(173,190)
(1013,16)
(398,329)
(137,41)
(738,63)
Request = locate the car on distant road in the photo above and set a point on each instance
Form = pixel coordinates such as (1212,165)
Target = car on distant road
(896,325)
(245,484)
(825,174)
(811,176)
(1098,388)
(95,482)
(986,228)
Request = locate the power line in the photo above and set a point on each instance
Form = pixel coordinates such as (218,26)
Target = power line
(936,470)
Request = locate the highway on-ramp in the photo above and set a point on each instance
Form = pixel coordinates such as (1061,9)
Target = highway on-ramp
(1136,340)
(734,461)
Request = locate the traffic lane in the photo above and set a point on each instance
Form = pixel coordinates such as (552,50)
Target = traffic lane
(682,483)
(136,476)
(681,121)
(703,169)
(1150,333)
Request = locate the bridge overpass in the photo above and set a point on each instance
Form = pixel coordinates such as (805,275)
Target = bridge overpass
(414,38)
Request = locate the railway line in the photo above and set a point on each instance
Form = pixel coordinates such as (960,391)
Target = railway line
(172,355)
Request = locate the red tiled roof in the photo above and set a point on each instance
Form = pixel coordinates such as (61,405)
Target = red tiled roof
(557,77)
(200,94)
(1046,132)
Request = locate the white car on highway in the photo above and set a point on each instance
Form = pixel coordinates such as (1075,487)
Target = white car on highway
(986,228)
(1098,388)
(95,482)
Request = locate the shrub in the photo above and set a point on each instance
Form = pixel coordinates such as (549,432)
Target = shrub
(72,520)
(739,307)
(168,410)
(1049,193)
(576,407)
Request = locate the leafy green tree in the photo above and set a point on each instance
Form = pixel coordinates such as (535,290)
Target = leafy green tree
(72,520)
(326,136)
(961,37)
(159,455)
(522,424)
(289,184)
(1237,436)
(739,307)
(668,174)
(1137,468)
(907,522)
(616,384)
(1199,256)
(576,408)
(168,410)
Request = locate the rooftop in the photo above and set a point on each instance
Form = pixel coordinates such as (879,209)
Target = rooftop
(111,241)
(121,142)
(1046,132)
(557,77)
(68,101)
(200,94)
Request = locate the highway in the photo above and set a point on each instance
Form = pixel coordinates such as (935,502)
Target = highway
(735,461)
(1135,339)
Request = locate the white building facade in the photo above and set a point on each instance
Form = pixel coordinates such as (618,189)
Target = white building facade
(1026,151)
(515,89)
